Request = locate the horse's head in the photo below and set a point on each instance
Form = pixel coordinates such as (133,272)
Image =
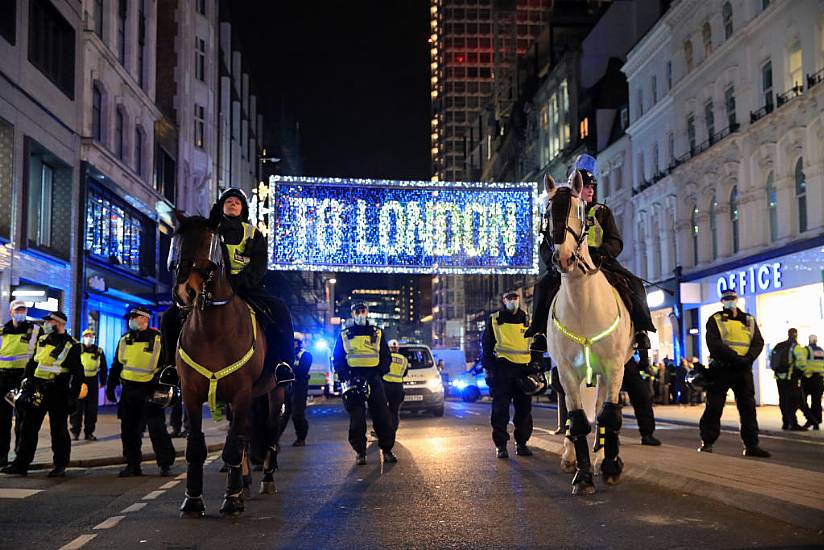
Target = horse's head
(568,223)
(196,256)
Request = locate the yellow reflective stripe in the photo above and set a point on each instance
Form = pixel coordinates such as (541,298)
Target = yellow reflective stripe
(137,365)
(91,364)
(359,352)
(14,352)
(397,368)
(507,339)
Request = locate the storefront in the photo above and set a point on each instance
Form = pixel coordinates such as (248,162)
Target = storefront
(782,292)
(664,311)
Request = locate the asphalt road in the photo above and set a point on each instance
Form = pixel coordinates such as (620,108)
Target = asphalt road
(447,491)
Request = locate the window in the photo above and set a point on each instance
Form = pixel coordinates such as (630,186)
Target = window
(624,117)
(655,169)
(51,45)
(641,170)
(726,14)
(138,150)
(640,101)
(654,86)
(122,14)
(119,137)
(118,234)
(772,208)
(691,132)
(200,126)
(8,21)
(670,149)
(767,83)
(97,113)
(6,163)
(41,191)
(765,4)
(734,215)
(706,35)
(165,177)
(98,18)
(669,75)
(795,65)
(688,55)
(729,103)
(141,42)
(200,59)
(48,224)
(201,7)
(801,195)
(583,128)
(709,116)
(694,232)
(714,227)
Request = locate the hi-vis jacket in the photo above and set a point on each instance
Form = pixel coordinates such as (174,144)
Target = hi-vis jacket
(138,355)
(397,369)
(503,338)
(731,339)
(94,362)
(17,344)
(361,347)
(239,254)
(57,359)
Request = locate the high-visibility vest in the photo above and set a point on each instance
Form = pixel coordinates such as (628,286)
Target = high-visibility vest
(139,359)
(815,361)
(237,260)
(397,368)
(510,343)
(50,358)
(91,361)
(362,351)
(734,334)
(17,349)
(595,233)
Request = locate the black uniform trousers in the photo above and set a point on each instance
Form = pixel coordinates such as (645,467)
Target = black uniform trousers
(813,388)
(177,417)
(86,409)
(789,400)
(134,413)
(56,404)
(740,381)
(504,391)
(296,408)
(555,384)
(394,398)
(639,396)
(378,409)
(801,398)
(9,380)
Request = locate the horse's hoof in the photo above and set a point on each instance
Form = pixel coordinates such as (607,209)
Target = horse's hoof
(192,508)
(583,489)
(232,506)
(612,479)
(568,467)
(268,488)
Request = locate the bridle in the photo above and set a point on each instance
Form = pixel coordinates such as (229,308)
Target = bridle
(580,239)
(215,260)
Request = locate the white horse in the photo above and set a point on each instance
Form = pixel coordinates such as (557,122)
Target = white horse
(589,333)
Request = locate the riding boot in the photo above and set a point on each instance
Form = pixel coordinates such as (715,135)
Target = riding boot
(171,323)
(640,314)
(536,351)
(545,290)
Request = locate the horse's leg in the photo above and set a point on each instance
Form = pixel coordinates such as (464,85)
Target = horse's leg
(246,470)
(597,447)
(609,423)
(579,428)
(573,402)
(233,452)
(196,452)
(273,431)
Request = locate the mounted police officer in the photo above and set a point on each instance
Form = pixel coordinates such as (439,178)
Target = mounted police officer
(95,368)
(18,337)
(298,393)
(506,358)
(135,368)
(605,244)
(812,381)
(362,357)
(393,382)
(734,342)
(52,382)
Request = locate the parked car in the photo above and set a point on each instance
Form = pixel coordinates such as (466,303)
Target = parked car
(422,384)
(471,385)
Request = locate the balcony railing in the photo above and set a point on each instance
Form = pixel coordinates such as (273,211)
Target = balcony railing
(761,113)
(815,79)
(789,95)
(696,150)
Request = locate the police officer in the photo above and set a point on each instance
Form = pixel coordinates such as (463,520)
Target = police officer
(506,357)
(787,380)
(299,391)
(56,373)
(18,339)
(94,368)
(134,368)
(361,351)
(637,388)
(812,381)
(393,382)
(734,342)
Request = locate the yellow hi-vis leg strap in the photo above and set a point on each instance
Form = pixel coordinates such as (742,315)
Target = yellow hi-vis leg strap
(586,343)
(214,377)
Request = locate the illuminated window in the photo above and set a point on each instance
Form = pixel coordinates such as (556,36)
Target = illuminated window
(583,128)
(117,234)
(795,64)
(200,126)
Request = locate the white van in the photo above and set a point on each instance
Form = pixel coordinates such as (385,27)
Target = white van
(422,385)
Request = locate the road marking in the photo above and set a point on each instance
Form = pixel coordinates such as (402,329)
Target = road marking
(153,495)
(170,484)
(109,523)
(18,493)
(181,476)
(79,542)
(133,508)
(782,438)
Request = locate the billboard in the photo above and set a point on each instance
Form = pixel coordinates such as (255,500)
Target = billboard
(382,226)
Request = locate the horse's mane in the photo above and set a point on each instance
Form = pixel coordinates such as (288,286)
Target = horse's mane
(191,223)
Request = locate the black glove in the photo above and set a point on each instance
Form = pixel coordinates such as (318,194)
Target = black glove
(489,378)
(110,395)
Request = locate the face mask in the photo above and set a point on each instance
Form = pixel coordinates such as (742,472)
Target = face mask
(729,305)
(19,317)
(87,341)
(48,328)
(360,320)
(134,324)
(813,342)
(512,306)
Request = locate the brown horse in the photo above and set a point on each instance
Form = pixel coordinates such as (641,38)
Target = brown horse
(220,357)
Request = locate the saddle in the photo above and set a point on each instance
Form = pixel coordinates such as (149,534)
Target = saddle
(620,283)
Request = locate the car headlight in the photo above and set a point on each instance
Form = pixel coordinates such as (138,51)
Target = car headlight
(459,384)
(434,384)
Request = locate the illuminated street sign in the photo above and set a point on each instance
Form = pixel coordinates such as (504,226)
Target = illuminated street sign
(320,224)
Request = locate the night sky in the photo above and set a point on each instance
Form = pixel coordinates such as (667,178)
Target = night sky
(353,74)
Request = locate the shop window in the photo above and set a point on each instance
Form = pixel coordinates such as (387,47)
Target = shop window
(118,234)
(51,45)
(6,158)
(801,195)
(714,227)
(694,233)
(8,21)
(48,192)
(734,216)
(706,35)
(726,14)
(772,208)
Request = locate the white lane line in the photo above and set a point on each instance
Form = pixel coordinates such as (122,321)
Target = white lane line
(109,523)
(170,484)
(153,495)
(181,476)
(133,508)
(79,542)
(18,493)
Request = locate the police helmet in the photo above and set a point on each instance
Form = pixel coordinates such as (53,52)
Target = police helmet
(359,305)
(238,194)
(532,384)
(284,374)
(393,344)
(166,390)
(354,392)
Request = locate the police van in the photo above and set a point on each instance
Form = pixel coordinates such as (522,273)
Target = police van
(422,385)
